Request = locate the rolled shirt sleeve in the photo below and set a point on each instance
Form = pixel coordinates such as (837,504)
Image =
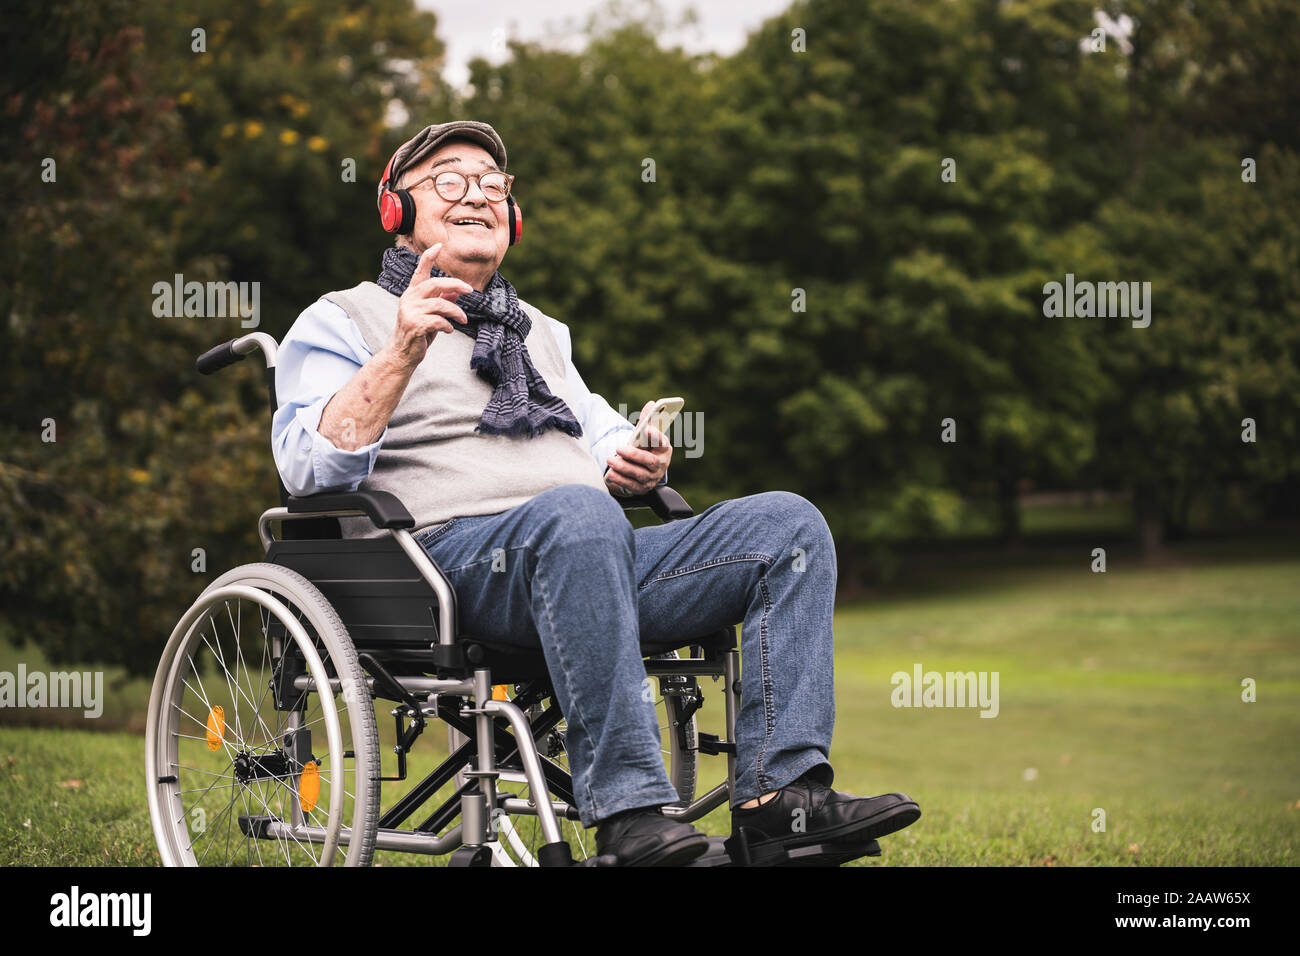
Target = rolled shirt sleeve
(321,353)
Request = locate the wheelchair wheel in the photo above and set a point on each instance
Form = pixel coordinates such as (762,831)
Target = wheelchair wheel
(520,835)
(247,762)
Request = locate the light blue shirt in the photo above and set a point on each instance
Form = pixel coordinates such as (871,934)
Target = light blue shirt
(322,352)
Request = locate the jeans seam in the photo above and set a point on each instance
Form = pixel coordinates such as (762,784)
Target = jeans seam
(705,565)
(559,660)
(489,558)
(471,564)
(430,535)
(765,675)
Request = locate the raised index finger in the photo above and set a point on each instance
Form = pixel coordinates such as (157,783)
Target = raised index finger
(424,268)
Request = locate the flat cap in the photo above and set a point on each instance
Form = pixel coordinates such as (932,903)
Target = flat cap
(427,141)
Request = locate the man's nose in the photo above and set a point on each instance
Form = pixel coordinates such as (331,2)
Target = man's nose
(473,193)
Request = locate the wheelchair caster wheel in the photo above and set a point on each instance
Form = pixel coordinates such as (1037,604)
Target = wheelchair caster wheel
(471,856)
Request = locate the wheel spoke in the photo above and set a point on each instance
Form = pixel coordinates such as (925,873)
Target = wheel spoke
(237,691)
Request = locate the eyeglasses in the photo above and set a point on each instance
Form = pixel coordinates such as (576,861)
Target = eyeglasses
(453,186)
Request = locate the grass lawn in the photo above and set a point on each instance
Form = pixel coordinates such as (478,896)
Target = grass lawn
(1119,692)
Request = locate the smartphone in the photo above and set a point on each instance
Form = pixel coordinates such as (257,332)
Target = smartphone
(660,417)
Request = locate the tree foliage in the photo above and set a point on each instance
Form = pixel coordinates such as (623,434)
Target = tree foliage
(828,250)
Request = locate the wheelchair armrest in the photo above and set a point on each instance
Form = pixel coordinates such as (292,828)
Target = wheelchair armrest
(382,508)
(662,500)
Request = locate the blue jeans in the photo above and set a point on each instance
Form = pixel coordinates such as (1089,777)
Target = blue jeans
(566,571)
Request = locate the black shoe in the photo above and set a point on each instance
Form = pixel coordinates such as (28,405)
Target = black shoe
(645,837)
(808,813)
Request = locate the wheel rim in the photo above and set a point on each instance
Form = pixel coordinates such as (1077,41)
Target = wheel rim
(221,756)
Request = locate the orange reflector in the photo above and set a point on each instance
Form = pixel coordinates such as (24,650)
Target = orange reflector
(216,727)
(499,692)
(308,787)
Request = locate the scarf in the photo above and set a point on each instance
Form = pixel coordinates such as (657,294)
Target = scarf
(521,404)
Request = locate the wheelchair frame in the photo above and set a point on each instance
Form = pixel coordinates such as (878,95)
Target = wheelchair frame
(442,674)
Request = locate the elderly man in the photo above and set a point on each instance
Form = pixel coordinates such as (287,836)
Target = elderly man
(438,384)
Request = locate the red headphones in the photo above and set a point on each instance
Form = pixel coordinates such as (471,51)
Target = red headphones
(397,209)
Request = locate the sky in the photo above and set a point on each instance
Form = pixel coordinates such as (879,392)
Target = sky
(481,27)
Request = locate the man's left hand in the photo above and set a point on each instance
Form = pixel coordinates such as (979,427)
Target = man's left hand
(634,471)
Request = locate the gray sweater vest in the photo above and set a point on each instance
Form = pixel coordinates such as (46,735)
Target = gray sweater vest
(432,459)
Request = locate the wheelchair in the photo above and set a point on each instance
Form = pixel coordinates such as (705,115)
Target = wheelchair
(262,741)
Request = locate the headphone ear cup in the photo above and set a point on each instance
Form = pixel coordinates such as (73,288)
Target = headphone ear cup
(397,211)
(407,225)
(516,221)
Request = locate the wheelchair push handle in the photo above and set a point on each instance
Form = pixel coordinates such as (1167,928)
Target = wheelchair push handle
(228,353)
(217,358)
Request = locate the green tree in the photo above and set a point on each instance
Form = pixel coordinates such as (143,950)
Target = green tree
(222,165)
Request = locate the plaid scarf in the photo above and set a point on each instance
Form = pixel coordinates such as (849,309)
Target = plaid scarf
(521,404)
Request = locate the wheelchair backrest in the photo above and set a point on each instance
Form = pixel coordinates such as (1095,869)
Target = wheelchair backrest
(387,607)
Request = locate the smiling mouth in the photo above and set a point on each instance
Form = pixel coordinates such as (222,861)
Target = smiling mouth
(471,223)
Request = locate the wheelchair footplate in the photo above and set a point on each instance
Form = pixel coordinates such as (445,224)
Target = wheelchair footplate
(736,851)
(721,849)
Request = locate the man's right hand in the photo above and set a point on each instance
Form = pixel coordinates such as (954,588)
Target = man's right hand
(424,310)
